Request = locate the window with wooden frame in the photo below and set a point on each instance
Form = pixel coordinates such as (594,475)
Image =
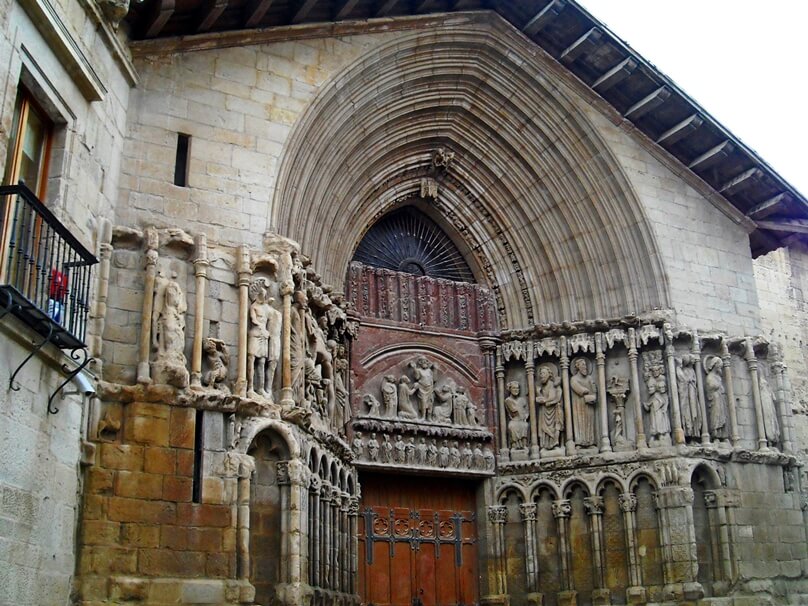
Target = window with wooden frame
(30,145)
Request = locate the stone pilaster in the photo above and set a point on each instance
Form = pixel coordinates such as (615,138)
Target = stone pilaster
(678,534)
(562,510)
(499,369)
(635,593)
(530,371)
(498,517)
(143,368)
(564,363)
(528,515)
(201,264)
(726,359)
(601,596)
(633,354)
(752,364)
(600,363)
(244,273)
(676,405)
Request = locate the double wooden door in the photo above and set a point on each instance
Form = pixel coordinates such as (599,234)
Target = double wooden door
(417,542)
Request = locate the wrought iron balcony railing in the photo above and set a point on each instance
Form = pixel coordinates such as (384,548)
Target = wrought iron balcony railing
(44,270)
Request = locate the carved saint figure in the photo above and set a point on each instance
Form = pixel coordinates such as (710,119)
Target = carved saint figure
(168,332)
(432,454)
(479,457)
(387,450)
(657,404)
(424,372)
(716,397)
(390,396)
(420,452)
(460,406)
(400,450)
(551,415)
(406,410)
(217,360)
(584,396)
(443,454)
(471,409)
(373,405)
(263,340)
(342,408)
(468,456)
(490,460)
(409,451)
(373,448)
(516,407)
(454,456)
(771,425)
(689,395)
(358,444)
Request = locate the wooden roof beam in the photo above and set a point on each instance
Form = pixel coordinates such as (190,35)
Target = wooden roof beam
(386,7)
(543,17)
(582,46)
(618,73)
(648,103)
(209,13)
(254,12)
(742,181)
(794,226)
(767,207)
(679,131)
(303,10)
(712,156)
(158,17)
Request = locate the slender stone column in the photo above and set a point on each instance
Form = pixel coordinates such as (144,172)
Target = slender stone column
(594,508)
(635,389)
(569,434)
(720,538)
(635,593)
(344,549)
(314,533)
(676,405)
(287,395)
(244,275)
(284,486)
(246,469)
(752,364)
(143,369)
(528,513)
(99,309)
(504,452)
(336,541)
(695,350)
(201,264)
(530,370)
(784,401)
(562,510)
(600,363)
(325,537)
(726,358)
(353,516)
(498,516)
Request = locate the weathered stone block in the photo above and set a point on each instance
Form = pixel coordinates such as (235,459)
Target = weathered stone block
(203,592)
(185,463)
(137,510)
(159,460)
(183,423)
(147,430)
(137,535)
(122,456)
(98,532)
(177,489)
(138,485)
(193,514)
(128,589)
(99,481)
(165,562)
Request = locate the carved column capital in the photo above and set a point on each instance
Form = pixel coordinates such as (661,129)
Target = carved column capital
(710,499)
(282,468)
(528,512)
(562,508)
(335,496)
(628,501)
(594,505)
(353,506)
(314,484)
(497,514)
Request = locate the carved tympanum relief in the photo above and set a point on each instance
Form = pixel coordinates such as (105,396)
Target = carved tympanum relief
(420,398)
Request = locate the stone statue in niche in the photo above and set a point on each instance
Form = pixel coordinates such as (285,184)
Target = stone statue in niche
(716,397)
(770,423)
(217,360)
(420,452)
(472,418)
(443,455)
(406,410)
(551,411)
(454,456)
(490,460)
(687,386)
(297,345)
(424,372)
(656,406)
(468,456)
(478,457)
(389,396)
(342,407)
(168,332)
(409,451)
(518,425)
(263,340)
(387,450)
(617,388)
(400,449)
(584,396)
(432,454)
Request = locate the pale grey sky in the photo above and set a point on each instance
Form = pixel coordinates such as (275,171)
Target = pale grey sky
(744,61)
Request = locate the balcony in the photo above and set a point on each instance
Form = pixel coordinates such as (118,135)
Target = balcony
(45,272)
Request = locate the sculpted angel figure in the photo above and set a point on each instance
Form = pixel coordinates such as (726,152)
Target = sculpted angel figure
(516,407)
(551,415)
(584,396)
(688,395)
(424,372)
(716,397)
(263,340)
(657,404)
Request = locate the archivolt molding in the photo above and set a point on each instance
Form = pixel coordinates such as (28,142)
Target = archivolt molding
(544,208)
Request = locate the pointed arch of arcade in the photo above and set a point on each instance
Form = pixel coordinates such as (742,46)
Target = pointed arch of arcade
(541,203)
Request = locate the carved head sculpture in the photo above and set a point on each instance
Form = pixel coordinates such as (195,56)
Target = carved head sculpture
(581,366)
(422,362)
(173,294)
(544,374)
(209,345)
(259,290)
(389,378)
(513,388)
(404,380)
(710,362)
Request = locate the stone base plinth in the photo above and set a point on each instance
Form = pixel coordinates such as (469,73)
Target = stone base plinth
(568,598)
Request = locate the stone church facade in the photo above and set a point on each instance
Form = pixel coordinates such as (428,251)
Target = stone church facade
(395,303)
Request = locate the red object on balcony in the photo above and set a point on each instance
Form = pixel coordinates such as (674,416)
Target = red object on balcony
(58,285)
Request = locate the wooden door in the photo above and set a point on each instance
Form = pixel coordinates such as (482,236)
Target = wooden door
(417,542)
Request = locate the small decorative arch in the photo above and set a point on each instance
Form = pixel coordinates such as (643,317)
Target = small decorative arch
(536,488)
(283,430)
(637,476)
(507,490)
(570,485)
(609,478)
